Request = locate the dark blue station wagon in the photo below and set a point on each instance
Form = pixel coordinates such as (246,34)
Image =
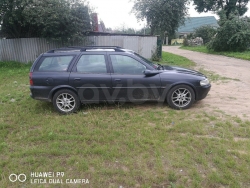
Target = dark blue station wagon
(92,74)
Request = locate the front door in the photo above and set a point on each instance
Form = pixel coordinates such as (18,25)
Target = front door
(129,82)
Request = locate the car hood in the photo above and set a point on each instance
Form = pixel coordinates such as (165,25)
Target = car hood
(182,70)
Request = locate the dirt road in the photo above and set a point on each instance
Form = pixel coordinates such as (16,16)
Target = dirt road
(230,96)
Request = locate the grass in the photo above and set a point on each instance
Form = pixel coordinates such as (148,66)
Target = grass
(240,55)
(175,60)
(129,145)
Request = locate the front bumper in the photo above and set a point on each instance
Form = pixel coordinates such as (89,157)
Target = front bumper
(202,91)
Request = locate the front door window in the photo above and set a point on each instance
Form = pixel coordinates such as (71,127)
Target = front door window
(126,65)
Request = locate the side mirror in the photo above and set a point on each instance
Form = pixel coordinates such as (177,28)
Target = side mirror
(151,72)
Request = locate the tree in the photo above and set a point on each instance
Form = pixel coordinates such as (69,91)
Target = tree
(63,20)
(206,32)
(12,18)
(144,31)
(124,29)
(228,6)
(161,15)
(232,35)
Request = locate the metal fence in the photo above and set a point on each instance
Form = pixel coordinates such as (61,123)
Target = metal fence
(28,49)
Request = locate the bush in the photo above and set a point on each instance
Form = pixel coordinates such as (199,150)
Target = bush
(185,42)
(206,33)
(190,36)
(232,35)
(155,55)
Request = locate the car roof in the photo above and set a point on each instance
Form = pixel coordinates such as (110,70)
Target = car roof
(89,49)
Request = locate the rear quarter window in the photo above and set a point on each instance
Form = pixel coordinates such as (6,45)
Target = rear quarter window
(54,64)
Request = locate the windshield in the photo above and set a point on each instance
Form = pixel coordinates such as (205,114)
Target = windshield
(147,61)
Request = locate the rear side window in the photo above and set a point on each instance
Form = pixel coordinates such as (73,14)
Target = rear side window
(92,64)
(55,63)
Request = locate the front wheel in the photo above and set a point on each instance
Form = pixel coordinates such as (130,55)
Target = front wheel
(180,97)
(66,101)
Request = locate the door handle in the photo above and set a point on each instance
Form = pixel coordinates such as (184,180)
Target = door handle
(118,80)
(77,79)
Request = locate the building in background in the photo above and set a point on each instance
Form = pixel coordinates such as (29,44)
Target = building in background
(193,23)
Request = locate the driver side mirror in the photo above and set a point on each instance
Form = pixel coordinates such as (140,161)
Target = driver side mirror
(151,72)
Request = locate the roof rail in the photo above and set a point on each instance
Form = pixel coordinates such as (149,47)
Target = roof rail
(85,48)
(94,47)
(62,50)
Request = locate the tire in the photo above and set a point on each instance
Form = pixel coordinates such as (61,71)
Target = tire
(181,97)
(66,101)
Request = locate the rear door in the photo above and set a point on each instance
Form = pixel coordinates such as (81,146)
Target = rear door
(91,77)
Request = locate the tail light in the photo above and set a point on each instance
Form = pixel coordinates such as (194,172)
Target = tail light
(31,81)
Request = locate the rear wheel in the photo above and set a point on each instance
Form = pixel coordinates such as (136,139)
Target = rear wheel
(66,101)
(181,97)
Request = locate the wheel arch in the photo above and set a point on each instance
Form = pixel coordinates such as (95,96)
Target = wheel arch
(54,90)
(182,83)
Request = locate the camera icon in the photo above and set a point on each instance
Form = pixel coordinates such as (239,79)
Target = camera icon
(17,177)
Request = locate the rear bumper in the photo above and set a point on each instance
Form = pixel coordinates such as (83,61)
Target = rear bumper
(40,93)
(202,91)
(40,98)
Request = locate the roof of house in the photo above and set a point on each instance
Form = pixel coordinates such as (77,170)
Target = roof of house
(192,23)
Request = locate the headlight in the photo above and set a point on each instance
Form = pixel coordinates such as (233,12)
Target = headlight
(204,82)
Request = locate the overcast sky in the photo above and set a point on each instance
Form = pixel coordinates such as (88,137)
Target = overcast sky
(116,13)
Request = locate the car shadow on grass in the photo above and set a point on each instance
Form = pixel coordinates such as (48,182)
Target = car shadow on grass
(122,105)
(47,107)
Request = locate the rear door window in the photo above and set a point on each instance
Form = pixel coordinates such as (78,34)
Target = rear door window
(92,64)
(55,63)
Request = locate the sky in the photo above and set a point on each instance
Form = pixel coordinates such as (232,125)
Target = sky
(116,13)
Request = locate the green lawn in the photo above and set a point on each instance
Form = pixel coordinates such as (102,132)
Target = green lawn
(118,145)
(241,55)
(175,60)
